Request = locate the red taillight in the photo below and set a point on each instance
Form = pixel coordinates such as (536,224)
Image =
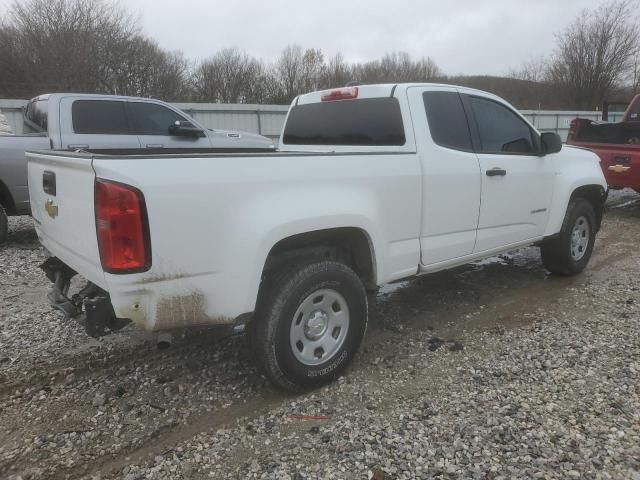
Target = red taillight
(347,93)
(121,224)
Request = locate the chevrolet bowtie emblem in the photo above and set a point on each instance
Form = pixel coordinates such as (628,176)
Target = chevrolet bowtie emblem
(618,168)
(51,209)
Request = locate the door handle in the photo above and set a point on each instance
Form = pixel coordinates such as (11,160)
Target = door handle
(496,172)
(155,145)
(74,146)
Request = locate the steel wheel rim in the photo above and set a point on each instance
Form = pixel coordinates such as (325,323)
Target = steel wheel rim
(319,327)
(580,238)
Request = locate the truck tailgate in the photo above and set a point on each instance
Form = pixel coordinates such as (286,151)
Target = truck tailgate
(620,163)
(61,187)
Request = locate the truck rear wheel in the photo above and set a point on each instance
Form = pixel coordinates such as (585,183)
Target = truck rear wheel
(570,251)
(309,323)
(4,225)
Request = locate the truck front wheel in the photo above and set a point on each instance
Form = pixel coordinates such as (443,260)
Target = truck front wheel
(4,225)
(309,323)
(570,251)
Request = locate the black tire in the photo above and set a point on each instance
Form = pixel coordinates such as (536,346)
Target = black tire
(557,255)
(4,225)
(281,296)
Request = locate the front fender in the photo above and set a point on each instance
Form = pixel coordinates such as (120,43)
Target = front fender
(575,168)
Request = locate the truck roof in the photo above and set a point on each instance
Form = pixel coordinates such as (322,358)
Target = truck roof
(54,96)
(389,89)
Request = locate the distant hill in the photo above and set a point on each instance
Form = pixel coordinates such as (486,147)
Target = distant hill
(526,95)
(523,94)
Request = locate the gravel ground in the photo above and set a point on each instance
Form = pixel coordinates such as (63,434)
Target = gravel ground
(491,371)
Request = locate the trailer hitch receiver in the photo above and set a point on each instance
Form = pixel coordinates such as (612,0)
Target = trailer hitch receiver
(91,306)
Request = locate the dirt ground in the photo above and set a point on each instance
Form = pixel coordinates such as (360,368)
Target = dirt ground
(75,407)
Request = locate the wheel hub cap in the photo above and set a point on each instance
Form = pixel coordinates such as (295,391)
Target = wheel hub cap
(319,327)
(580,238)
(316,325)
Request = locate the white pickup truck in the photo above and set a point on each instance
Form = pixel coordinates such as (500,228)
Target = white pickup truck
(371,184)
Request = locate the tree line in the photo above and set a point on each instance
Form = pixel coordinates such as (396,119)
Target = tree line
(597,58)
(95,46)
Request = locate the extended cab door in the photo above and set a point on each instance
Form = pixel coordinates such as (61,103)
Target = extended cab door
(517,183)
(151,121)
(450,174)
(96,124)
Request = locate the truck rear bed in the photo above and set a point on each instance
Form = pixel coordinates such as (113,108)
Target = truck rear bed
(211,220)
(617,145)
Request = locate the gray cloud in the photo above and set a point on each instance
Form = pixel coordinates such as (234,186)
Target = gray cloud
(462,36)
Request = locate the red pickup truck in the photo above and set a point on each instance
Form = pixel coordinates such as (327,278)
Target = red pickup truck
(617,145)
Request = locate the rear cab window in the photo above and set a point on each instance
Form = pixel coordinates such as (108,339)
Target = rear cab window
(101,117)
(36,116)
(447,120)
(355,122)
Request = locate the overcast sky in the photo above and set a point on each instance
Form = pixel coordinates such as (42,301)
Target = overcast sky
(462,36)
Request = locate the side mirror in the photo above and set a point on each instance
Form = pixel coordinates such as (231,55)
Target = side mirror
(551,143)
(185,129)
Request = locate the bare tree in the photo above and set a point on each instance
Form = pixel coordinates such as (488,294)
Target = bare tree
(172,81)
(397,67)
(288,71)
(11,67)
(313,70)
(144,69)
(69,44)
(596,52)
(533,70)
(83,46)
(295,72)
(95,46)
(634,75)
(337,73)
(230,76)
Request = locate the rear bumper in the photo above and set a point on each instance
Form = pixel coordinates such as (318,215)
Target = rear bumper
(166,304)
(91,306)
(151,303)
(617,183)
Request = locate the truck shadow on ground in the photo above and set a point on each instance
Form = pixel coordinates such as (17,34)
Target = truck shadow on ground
(444,303)
(21,236)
